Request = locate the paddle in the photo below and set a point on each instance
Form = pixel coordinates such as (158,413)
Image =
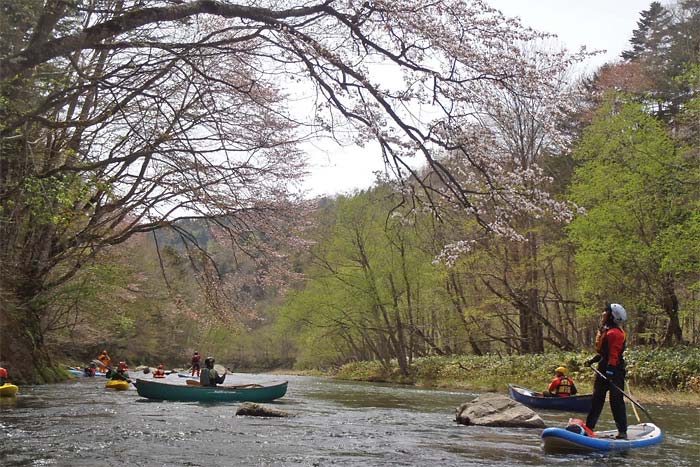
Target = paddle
(623,393)
(100,364)
(192,382)
(634,408)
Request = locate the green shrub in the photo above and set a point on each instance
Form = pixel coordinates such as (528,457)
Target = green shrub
(662,369)
(364,371)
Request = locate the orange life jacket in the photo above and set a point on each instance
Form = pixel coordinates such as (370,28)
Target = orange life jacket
(564,388)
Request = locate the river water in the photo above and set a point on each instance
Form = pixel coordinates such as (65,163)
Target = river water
(79,423)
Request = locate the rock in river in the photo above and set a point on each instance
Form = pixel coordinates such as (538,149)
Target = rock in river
(256,410)
(497,410)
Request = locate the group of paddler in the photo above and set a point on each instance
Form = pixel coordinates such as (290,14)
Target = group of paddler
(208,376)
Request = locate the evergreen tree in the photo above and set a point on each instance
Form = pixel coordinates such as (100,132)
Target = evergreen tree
(666,44)
(651,33)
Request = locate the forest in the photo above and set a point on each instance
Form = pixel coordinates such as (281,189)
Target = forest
(150,164)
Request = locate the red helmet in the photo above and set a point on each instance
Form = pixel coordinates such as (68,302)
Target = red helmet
(160,367)
(122,366)
(3,373)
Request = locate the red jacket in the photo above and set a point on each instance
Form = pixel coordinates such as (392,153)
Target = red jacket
(611,346)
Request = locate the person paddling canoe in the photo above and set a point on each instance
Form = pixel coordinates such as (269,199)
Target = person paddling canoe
(209,376)
(561,385)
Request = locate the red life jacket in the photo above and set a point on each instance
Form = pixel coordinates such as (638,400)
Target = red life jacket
(610,344)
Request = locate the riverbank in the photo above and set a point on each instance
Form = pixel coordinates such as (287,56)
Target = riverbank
(655,376)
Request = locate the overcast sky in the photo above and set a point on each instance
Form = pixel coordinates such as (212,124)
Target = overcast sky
(596,24)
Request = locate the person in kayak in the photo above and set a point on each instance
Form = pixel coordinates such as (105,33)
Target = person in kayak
(561,385)
(195,363)
(209,376)
(90,371)
(160,372)
(610,344)
(121,373)
(3,376)
(105,359)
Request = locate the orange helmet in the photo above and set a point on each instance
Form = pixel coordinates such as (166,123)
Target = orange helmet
(3,373)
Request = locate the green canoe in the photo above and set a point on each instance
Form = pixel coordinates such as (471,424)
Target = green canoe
(264,392)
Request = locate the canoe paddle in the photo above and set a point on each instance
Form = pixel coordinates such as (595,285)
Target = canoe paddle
(623,393)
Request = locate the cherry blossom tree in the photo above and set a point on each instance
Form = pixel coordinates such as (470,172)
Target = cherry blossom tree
(125,116)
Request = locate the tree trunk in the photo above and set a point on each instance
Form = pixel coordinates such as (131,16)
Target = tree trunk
(22,350)
(674,332)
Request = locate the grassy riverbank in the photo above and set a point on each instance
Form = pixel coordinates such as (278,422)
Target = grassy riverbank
(658,376)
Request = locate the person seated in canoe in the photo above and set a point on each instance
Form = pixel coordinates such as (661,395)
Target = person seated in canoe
(160,372)
(3,376)
(90,371)
(209,376)
(195,363)
(105,359)
(561,385)
(121,373)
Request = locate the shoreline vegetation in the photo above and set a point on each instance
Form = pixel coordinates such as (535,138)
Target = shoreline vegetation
(654,376)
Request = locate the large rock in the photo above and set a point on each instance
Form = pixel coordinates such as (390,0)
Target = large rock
(256,410)
(497,410)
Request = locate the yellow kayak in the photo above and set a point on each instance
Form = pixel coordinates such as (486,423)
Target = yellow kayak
(8,390)
(117,384)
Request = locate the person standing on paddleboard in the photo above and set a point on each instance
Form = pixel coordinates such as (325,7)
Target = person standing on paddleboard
(610,345)
(195,363)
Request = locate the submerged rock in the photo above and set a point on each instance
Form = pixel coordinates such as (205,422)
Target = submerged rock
(497,410)
(256,410)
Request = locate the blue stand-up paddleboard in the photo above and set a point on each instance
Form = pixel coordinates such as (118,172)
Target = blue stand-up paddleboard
(638,436)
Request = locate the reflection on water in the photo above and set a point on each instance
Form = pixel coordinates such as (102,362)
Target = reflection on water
(81,424)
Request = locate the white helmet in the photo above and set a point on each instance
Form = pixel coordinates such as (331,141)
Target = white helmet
(618,313)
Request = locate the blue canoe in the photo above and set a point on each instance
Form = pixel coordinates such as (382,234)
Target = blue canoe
(638,436)
(536,400)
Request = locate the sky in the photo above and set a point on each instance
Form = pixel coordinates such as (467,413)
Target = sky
(595,24)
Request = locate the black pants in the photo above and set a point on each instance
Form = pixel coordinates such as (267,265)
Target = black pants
(617,401)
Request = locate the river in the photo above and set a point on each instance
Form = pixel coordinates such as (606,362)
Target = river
(79,423)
